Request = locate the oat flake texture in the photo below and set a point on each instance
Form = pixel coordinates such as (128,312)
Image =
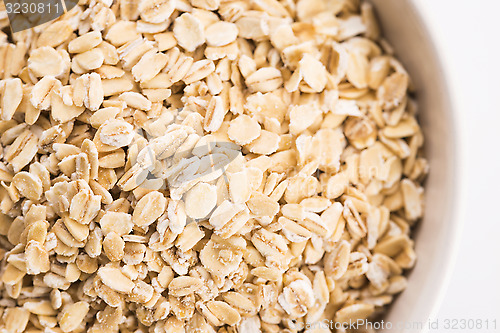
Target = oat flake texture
(205,166)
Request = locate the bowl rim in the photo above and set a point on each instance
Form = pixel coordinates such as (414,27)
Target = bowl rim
(456,192)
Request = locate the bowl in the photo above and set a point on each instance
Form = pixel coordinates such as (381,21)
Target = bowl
(437,235)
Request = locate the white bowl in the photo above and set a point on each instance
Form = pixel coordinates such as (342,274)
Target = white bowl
(437,234)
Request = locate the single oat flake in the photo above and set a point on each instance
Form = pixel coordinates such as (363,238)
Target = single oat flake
(205,166)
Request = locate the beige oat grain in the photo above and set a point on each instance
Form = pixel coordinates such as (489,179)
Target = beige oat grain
(205,165)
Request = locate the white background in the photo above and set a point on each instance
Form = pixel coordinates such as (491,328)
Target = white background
(467,34)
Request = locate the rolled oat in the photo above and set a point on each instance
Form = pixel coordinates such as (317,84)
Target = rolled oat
(205,165)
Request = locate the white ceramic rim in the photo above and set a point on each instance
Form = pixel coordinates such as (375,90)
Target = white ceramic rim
(452,216)
(458,192)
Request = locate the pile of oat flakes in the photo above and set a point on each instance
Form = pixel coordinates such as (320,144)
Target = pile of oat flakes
(309,219)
